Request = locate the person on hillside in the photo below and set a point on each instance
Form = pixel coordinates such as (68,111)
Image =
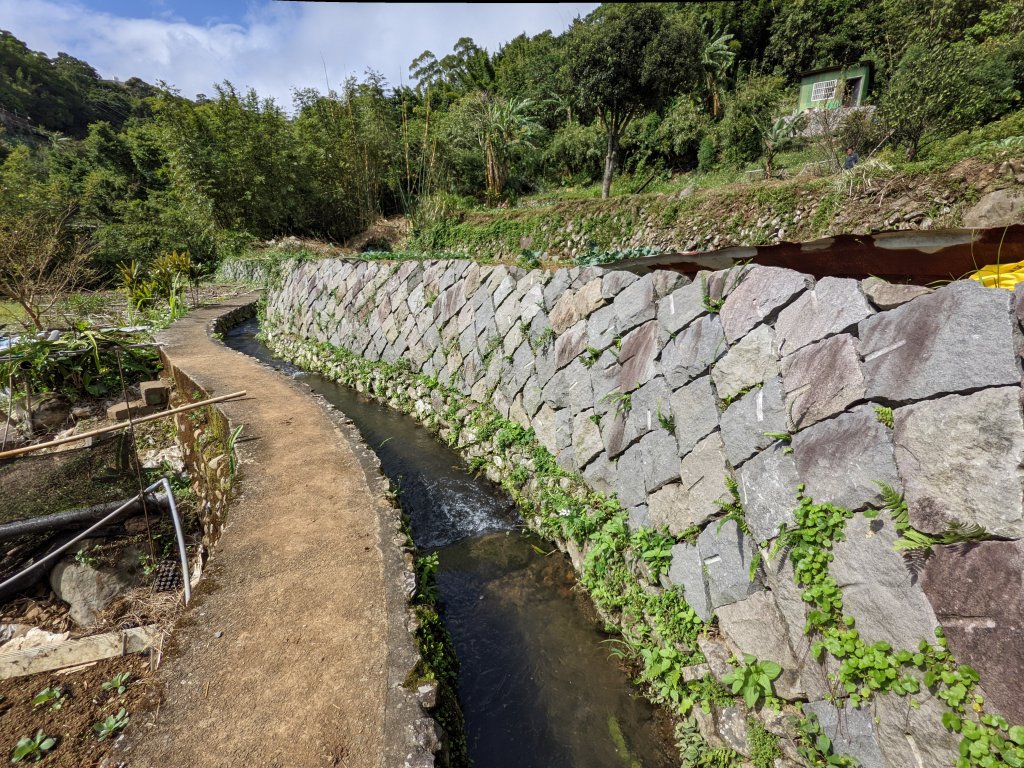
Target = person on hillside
(852,158)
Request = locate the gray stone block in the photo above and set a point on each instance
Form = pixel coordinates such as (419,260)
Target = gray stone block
(576,305)
(680,308)
(602,328)
(586,438)
(822,379)
(646,403)
(751,361)
(508,314)
(580,387)
(787,596)
(521,369)
(637,517)
(877,587)
(555,288)
(544,425)
(762,294)
(660,459)
(718,285)
(613,432)
(629,480)
(667,280)
(960,338)
(532,303)
(601,474)
(556,391)
(570,344)
(756,626)
(687,573)
(639,350)
(692,352)
(911,737)
(842,460)
(886,295)
(614,281)
(960,458)
(694,409)
(604,377)
(851,731)
(835,305)
(635,304)
(727,555)
(747,420)
(768,488)
(977,592)
(702,474)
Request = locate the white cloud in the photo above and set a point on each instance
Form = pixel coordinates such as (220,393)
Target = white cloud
(277,46)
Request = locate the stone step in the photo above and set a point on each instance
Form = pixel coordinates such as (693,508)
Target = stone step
(136,408)
(155,392)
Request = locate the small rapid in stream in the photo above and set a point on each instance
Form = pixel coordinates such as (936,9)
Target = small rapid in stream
(537,685)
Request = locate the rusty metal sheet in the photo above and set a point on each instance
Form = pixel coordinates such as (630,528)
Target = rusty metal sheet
(908,256)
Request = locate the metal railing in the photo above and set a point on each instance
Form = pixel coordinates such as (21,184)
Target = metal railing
(178,532)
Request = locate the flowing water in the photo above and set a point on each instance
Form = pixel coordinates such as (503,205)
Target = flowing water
(537,685)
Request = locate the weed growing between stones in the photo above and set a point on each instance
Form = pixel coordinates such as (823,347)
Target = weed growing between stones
(916,546)
(815,747)
(764,746)
(884,416)
(696,752)
(866,670)
(752,679)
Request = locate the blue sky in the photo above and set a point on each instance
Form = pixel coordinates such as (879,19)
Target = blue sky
(265,44)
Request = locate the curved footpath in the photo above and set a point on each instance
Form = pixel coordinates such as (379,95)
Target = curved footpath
(306,585)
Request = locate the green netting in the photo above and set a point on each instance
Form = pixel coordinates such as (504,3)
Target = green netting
(39,484)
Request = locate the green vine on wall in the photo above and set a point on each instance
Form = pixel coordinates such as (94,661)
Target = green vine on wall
(867,670)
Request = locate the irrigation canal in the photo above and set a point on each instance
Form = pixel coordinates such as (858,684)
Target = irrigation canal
(537,685)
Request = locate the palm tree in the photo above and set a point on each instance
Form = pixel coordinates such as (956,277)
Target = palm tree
(503,127)
(716,59)
(776,137)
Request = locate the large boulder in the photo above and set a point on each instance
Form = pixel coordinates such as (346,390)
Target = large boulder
(89,589)
(1000,208)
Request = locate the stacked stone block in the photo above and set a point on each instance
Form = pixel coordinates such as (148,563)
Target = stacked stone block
(659,389)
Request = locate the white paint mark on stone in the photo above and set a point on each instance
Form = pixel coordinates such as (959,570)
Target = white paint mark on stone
(885,350)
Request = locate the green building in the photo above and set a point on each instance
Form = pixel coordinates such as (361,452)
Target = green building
(835,87)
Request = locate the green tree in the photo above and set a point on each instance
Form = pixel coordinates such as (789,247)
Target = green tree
(42,258)
(939,88)
(528,68)
(624,60)
(755,102)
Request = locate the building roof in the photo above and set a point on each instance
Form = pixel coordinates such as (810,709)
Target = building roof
(839,68)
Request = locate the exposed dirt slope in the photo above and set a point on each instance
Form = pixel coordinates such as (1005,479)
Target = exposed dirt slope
(298,587)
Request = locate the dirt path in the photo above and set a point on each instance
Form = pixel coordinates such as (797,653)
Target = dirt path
(305,587)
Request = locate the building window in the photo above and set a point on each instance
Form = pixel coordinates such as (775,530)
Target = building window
(824,90)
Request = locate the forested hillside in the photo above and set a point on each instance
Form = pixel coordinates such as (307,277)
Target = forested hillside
(627,98)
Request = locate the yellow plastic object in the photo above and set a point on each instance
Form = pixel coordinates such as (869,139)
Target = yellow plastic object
(1000,275)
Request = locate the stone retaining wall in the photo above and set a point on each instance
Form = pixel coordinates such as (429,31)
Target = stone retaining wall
(204,435)
(733,394)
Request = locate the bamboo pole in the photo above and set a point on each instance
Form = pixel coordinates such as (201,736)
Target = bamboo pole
(115,427)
